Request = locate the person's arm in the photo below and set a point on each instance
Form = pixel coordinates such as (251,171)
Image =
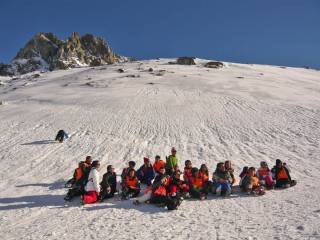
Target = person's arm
(95,181)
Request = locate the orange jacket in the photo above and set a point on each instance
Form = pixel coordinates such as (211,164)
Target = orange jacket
(263,172)
(196,182)
(254,181)
(132,182)
(157,165)
(204,176)
(78,173)
(282,174)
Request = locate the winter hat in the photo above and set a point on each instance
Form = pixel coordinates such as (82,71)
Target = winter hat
(146,160)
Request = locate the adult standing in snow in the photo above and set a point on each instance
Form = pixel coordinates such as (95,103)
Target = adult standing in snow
(171,162)
(92,187)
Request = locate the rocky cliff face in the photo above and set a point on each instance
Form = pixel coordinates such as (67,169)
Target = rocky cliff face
(47,52)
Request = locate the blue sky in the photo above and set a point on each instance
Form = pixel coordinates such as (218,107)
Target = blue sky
(278,32)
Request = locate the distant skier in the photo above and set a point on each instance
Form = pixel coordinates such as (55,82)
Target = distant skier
(61,136)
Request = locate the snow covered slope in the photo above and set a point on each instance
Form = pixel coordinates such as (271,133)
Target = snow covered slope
(242,113)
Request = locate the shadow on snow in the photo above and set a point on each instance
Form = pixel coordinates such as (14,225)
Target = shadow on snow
(40,142)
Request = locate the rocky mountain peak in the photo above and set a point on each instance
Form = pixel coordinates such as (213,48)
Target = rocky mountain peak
(46,51)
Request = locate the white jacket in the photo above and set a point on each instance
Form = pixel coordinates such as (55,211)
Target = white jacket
(93,181)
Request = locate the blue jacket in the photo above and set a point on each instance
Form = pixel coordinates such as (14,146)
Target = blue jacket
(146,174)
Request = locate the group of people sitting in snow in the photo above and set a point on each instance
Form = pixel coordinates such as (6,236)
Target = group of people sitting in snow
(163,183)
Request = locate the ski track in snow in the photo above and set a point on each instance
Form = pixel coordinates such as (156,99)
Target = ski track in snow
(243,113)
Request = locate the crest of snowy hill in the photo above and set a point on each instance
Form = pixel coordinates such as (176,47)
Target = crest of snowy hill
(45,51)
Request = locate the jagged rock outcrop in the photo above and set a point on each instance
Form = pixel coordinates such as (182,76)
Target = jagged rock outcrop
(47,52)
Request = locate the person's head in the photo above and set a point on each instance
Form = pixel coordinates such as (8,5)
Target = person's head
(132,173)
(162,170)
(245,170)
(96,164)
(146,161)
(194,171)
(227,164)
(157,158)
(220,167)
(188,163)
(132,164)
(252,171)
(278,163)
(88,160)
(81,163)
(110,169)
(263,164)
(176,174)
(204,168)
(173,151)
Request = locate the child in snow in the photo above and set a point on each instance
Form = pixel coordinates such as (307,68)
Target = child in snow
(126,170)
(78,186)
(108,183)
(282,176)
(61,135)
(177,187)
(77,175)
(146,172)
(159,188)
(265,176)
(228,167)
(250,183)
(158,163)
(243,174)
(197,185)
(187,170)
(131,185)
(221,180)
(92,187)
(204,173)
(171,162)
(148,192)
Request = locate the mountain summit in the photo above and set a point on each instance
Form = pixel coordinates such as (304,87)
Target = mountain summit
(45,51)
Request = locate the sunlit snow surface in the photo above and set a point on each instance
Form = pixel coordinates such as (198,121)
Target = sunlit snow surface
(243,113)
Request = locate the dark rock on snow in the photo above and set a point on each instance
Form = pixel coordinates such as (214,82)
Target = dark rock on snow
(214,64)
